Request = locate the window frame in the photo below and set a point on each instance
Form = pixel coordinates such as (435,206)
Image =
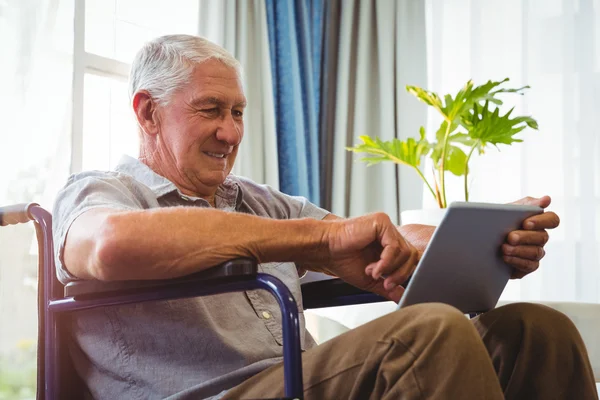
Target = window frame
(89,63)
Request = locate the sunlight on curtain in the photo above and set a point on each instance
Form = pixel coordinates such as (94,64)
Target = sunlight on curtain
(551,45)
(35,107)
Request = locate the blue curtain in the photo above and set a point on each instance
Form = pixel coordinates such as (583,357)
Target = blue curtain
(295,39)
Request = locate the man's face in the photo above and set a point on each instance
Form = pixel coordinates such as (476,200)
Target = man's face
(201,128)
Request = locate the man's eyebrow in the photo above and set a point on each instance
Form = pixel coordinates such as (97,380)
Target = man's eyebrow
(214,101)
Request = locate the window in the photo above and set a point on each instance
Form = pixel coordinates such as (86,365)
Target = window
(64,91)
(108,35)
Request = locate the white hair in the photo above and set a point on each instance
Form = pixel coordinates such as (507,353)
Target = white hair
(164,65)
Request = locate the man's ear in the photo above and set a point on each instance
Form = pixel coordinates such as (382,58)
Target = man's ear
(145,109)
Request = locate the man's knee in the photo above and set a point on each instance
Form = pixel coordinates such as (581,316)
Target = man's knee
(436,321)
(538,330)
(529,345)
(539,320)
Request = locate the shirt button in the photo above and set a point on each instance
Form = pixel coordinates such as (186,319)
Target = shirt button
(266,315)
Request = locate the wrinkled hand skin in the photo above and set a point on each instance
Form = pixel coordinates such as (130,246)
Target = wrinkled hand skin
(524,248)
(369,252)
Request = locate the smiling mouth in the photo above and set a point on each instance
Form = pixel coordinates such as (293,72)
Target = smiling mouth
(215,155)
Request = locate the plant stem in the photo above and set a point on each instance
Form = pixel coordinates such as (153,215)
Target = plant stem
(438,196)
(442,161)
(467,170)
(427,183)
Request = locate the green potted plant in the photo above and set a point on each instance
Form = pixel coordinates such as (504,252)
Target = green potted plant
(471,122)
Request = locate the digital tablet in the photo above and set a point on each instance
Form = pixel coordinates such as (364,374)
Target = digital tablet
(462,265)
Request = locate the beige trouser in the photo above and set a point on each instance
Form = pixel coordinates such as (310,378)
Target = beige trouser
(431,351)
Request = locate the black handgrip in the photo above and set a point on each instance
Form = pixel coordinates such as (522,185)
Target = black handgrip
(15,214)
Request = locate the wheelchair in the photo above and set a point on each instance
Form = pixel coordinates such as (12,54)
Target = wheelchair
(56,378)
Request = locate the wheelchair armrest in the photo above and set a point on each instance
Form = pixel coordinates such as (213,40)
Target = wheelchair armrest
(237,268)
(15,214)
(335,292)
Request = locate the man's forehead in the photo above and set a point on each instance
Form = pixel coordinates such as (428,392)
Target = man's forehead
(215,70)
(218,99)
(214,82)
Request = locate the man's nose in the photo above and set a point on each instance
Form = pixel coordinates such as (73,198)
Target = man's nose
(230,131)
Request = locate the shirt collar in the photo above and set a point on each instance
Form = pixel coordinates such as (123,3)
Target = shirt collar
(229,191)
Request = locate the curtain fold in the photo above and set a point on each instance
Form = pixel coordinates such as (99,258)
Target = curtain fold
(295,45)
(328,97)
(381,50)
(241,27)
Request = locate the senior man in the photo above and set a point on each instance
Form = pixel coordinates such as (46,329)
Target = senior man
(177,210)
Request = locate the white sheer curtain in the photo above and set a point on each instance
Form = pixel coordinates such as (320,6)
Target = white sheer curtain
(551,45)
(35,109)
(241,27)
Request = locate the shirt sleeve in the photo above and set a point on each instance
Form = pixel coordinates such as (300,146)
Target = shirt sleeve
(84,192)
(299,207)
(267,201)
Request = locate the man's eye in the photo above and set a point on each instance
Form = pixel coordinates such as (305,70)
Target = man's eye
(210,110)
(237,113)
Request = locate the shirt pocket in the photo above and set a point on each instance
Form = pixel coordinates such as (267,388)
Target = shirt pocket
(265,305)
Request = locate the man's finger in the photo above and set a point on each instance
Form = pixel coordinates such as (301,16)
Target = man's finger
(522,264)
(391,257)
(543,201)
(401,275)
(535,238)
(395,253)
(395,294)
(518,274)
(535,253)
(547,220)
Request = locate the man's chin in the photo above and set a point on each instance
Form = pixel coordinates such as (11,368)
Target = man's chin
(215,178)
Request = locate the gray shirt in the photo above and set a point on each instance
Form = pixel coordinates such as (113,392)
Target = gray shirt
(192,348)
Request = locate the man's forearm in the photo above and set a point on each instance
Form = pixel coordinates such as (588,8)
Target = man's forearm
(171,242)
(418,235)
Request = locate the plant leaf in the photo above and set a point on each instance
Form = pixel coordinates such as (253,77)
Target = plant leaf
(454,108)
(489,127)
(441,132)
(456,159)
(427,97)
(374,160)
(407,152)
(462,138)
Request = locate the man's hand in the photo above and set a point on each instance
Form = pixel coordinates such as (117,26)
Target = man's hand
(524,248)
(370,253)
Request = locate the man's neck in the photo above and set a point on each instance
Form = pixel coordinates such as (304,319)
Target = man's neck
(156,167)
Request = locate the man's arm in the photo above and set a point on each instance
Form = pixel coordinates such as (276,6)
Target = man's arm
(165,243)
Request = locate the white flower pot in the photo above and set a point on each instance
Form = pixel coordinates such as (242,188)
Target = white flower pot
(430,216)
